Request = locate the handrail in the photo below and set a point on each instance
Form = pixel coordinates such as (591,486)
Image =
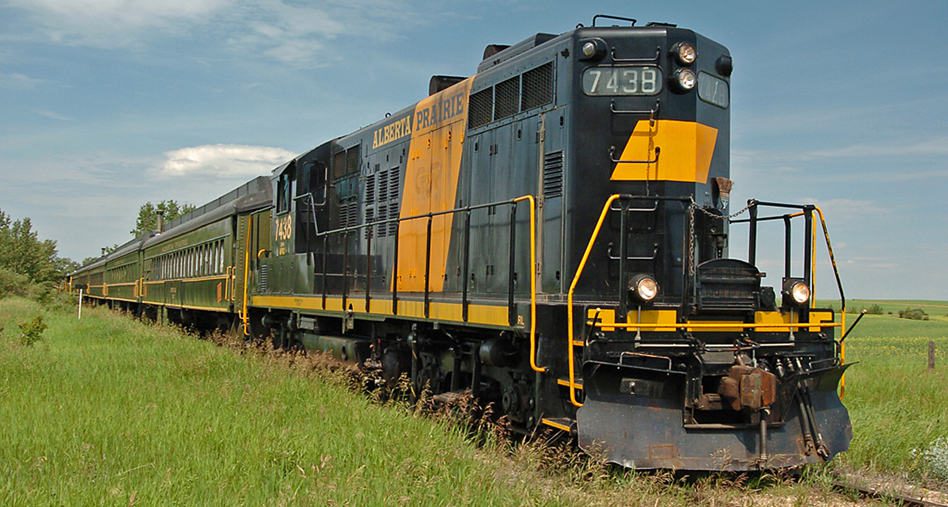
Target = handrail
(805,210)
(398,220)
(533,282)
(244,315)
(569,298)
(842,299)
(430,214)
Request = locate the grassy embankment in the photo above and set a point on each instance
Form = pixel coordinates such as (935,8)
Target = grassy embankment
(108,410)
(899,409)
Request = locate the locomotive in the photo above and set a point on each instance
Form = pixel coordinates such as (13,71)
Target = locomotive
(552,234)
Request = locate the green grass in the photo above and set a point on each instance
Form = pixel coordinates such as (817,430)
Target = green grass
(106,409)
(896,404)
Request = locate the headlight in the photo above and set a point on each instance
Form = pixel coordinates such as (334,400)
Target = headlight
(643,287)
(686,53)
(685,79)
(796,291)
(800,293)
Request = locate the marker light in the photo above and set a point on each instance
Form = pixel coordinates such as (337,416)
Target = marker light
(592,49)
(589,49)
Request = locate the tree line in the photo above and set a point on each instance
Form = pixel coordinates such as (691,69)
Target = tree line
(30,265)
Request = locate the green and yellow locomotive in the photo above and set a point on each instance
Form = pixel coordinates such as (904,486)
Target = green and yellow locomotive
(552,234)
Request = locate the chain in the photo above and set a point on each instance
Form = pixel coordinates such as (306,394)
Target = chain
(691,238)
(691,228)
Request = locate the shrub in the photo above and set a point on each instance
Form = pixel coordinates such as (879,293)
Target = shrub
(13,284)
(874,310)
(913,314)
(32,331)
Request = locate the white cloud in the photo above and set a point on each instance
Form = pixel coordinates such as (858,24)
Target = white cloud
(17,80)
(52,115)
(113,23)
(288,32)
(934,146)
(223,160)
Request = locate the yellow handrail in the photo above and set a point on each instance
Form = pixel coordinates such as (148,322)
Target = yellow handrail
(569,298)
(842,310)
(244,316)
(533,282)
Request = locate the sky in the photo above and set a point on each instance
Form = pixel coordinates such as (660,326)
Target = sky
(106,104)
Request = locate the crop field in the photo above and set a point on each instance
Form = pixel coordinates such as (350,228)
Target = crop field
(108,410)
(899,408)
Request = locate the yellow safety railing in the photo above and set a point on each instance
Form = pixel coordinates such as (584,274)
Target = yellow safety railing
(569,299)
(533,281)
(573,385)
(842,310)
(245,317)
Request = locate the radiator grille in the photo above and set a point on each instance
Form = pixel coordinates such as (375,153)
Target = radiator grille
(481,108)
(507,100)
(537,87)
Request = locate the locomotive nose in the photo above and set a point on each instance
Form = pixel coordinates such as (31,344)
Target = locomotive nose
(633,417)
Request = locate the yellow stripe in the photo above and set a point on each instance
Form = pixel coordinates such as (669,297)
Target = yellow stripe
(666,320)
(121,299)
(490,315)
(186,280)
(675,151)
(431,184)
(554,424)
(195,307)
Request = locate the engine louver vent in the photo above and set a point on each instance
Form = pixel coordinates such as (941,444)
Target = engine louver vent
(393,188)
(553,174)
(481,108)
(370,190)
(348,213)
(263,278)
(537,87)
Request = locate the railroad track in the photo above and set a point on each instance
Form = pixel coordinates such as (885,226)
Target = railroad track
(889,490)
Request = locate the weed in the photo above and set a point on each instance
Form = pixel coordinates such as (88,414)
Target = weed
(31,331)
(935,457)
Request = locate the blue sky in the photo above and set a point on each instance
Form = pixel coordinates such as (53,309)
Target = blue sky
(107,103)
